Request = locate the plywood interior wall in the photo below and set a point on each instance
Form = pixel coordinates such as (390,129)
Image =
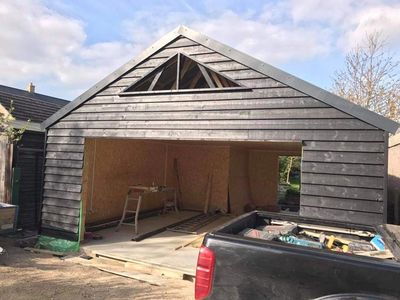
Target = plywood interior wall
(195,165)
(240,175)
(239,182)
(253,178)
(116,165)
(263,177)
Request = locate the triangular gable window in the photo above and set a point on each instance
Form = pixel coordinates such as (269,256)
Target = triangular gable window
(181,73)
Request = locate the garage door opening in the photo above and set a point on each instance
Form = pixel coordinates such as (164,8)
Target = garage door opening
(212,178)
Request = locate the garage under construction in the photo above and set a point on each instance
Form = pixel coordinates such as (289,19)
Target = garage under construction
(194,127)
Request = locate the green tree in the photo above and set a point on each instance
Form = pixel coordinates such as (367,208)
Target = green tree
(287,166)
(7,128)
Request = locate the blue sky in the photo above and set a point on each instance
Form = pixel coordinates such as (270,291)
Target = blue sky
(65,47)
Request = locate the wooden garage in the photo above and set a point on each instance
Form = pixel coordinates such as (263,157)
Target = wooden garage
(222,119)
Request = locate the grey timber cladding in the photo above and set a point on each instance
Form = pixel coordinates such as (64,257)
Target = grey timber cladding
(344,158)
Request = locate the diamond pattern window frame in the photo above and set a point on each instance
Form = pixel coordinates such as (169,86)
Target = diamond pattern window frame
(157,71)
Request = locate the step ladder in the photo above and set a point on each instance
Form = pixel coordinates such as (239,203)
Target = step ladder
(136,198)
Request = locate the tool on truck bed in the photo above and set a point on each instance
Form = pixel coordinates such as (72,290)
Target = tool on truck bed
(344,240)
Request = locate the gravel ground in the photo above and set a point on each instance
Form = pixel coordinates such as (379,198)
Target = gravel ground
(25,275)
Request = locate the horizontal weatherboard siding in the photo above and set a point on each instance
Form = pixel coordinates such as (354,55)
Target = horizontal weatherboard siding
(343,161)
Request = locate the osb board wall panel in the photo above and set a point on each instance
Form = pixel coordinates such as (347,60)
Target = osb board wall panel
(239,188)
(263,177)
(117,165)
(195,163)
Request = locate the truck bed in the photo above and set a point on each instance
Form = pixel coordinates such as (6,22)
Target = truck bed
(253,268)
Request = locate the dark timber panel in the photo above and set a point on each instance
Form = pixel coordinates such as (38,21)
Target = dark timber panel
(64,147)
(316,124)
(69,227)
(343,157)
(63,179)
(129,114)
(340,180)
(55,217)
(342,168)
(344,146)
(51,193)
(191,51)
(60,203)
(63,171)
(76,188)
(28,159)
(242,134)
(341,215)
(222,100)
(342,203)
(61,210)
(202,105)
(342,192)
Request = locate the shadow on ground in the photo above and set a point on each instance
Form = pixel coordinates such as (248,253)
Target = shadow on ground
(25,275)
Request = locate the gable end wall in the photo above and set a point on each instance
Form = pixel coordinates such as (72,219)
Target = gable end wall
(344,159)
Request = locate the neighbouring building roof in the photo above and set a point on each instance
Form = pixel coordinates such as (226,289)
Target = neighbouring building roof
(307,88)
(30,105)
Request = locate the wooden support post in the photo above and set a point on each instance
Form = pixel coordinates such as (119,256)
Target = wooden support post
(178,183)
(208,192)
(187,64)
(195,80)
(206,76)
(178,71)
(154,82)
(216,79)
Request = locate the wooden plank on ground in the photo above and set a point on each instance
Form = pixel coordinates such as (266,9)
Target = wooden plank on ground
(44,251)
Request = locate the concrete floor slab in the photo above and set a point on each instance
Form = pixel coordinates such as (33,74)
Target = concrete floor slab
(157,250)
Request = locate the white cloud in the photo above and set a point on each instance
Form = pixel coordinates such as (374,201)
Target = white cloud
(40,45)
(263,38)
(384,19)
(351,20)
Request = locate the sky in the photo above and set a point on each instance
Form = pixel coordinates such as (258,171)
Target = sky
(65,47)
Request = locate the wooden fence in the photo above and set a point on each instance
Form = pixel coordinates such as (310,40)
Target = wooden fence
(6,154)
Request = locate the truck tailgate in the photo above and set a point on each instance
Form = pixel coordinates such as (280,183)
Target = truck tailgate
(248,268)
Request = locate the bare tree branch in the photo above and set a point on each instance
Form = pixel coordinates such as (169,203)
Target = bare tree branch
(371,78)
